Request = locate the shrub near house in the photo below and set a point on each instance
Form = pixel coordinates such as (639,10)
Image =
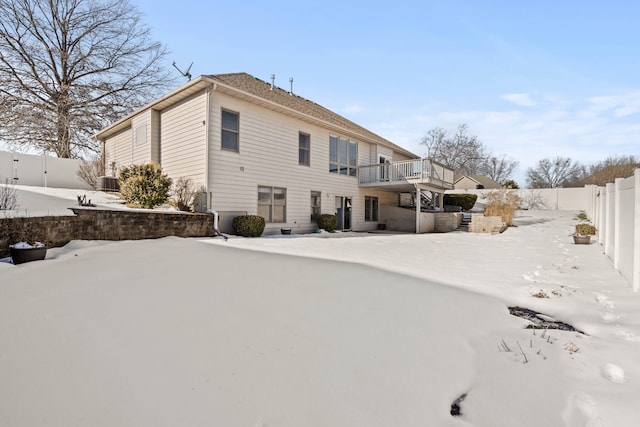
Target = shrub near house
(144,186)
(249,225)
(327,222)
(465,201)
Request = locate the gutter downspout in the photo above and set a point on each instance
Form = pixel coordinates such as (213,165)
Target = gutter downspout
(207,151)
(215,224)
(207,144)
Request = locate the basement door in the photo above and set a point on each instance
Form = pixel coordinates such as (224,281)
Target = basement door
(343,212)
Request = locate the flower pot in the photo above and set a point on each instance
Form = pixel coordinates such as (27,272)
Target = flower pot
(582,240)
(22,255)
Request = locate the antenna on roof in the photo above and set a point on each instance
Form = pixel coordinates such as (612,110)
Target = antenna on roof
(273,81)
(291,83)
(186,73)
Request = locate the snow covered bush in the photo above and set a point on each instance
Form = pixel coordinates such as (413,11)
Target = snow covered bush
(144,186)
(327,222)
(249,225)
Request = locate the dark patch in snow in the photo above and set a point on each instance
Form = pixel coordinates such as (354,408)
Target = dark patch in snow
(541,321)
(455,406)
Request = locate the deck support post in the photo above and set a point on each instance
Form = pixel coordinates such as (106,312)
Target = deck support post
(418,201)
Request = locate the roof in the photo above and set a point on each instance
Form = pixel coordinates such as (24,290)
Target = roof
(485,181)
(252,89)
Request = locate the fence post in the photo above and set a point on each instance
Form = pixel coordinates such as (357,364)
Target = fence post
(610,220)
(617,229)
(635,282)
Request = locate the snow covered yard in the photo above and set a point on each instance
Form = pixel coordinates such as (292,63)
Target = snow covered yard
(383,330)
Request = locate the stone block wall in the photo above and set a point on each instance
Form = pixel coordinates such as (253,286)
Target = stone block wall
(96,224)
(447,221)
(486,224)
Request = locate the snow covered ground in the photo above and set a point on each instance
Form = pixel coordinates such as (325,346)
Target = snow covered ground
(380,330)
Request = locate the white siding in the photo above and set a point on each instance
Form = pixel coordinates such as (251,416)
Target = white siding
(397,157)
(183,139)
(118,151)
(385,152)
(268,155)
(141,150)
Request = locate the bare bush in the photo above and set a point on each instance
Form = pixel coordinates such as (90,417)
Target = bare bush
(182,194)
(502,203)
(90,170)
(8,197)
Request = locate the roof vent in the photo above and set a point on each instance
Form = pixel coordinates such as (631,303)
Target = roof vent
(291,84)
(273,81)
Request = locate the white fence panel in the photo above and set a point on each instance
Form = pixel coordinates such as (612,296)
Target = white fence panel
(623,259)
(40,171)
(619,230)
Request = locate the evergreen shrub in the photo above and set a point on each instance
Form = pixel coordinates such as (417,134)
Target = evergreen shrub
(465,201)
(249,225)
(144,186)
(327,222)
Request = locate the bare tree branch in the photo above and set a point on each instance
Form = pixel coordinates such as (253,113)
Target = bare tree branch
(70,67)
(552,173)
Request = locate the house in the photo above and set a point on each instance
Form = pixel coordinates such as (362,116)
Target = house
(475,182)
(255,148)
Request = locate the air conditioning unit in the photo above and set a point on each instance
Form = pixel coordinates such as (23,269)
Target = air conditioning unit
(107,183)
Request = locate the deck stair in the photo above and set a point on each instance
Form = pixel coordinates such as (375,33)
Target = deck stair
(465,225)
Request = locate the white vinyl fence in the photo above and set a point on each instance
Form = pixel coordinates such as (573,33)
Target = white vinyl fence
(613,209)
(616,214)
(40,171)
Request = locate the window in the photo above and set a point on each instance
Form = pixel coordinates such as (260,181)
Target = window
(272,204)
(304,149)
(230,130)
(343,156)
(315,205)
(370,208)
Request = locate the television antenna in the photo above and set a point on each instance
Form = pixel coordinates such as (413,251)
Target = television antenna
(186,73)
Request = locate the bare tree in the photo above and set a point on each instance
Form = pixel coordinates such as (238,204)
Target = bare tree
(552,173)
(608,170)
(498,169)
(70,67)
(90,170)
(461,152)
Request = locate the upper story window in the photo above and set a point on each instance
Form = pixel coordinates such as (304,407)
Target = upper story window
(230,130)
(304,149)
(343,156)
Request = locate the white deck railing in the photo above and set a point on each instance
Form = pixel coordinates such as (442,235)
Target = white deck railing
(408,171)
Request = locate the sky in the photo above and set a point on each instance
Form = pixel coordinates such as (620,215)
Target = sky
(530,79)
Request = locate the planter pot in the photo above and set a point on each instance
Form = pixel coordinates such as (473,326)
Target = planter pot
(285,230)
(22,255)
(582,240)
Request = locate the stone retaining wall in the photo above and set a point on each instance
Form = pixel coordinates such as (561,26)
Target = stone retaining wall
(486,224)
(447,221)
(96,224)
